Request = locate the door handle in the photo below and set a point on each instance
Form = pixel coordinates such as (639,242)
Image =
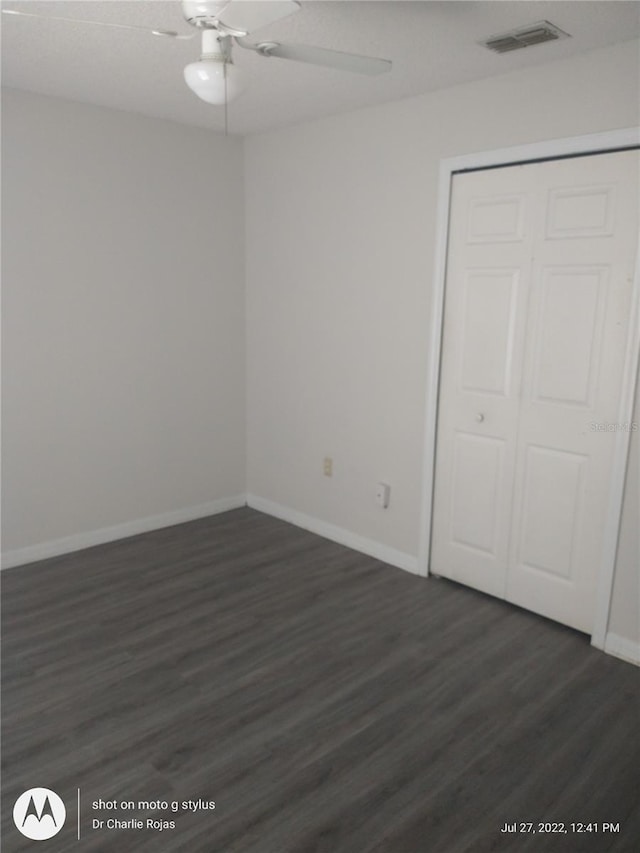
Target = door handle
(479,417)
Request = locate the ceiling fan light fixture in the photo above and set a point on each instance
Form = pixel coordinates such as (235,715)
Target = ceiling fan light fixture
(214,78)
(216,81)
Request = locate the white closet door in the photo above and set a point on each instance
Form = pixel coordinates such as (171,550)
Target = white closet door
(488,273)
(539,277)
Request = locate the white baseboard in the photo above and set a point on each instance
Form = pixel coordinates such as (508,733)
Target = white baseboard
(622,648)
(78,541)
(392,556)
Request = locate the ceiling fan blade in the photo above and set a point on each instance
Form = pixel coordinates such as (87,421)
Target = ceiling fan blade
(328,58)
(249,15)
(165,33)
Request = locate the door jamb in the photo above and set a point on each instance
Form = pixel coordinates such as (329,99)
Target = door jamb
(594,143)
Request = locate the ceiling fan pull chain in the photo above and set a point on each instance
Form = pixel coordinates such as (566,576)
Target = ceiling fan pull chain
(226,102)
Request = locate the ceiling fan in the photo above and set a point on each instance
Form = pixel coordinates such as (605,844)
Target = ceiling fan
(214,78)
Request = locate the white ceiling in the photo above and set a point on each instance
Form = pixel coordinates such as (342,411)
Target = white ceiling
(432,45)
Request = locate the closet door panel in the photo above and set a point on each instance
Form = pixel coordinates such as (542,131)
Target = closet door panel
(540,265)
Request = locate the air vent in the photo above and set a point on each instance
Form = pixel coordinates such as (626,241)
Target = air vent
(524,37)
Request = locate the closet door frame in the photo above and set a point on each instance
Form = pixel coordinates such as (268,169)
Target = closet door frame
(597,143)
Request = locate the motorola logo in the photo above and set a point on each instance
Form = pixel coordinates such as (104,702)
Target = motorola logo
(39,813)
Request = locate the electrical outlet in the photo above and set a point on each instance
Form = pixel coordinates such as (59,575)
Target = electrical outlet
(383,494)
(328,466)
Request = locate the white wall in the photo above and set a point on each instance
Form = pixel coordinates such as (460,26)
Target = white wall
(625,602)
(341,221)
(123,321)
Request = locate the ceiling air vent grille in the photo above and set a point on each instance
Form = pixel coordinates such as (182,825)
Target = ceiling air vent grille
(524,37)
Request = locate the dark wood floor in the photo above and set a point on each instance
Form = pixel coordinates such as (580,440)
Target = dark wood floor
(326,702)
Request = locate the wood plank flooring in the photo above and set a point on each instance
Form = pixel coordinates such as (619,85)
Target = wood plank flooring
(326,702)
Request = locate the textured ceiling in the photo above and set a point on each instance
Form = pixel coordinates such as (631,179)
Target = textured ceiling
(432,45)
